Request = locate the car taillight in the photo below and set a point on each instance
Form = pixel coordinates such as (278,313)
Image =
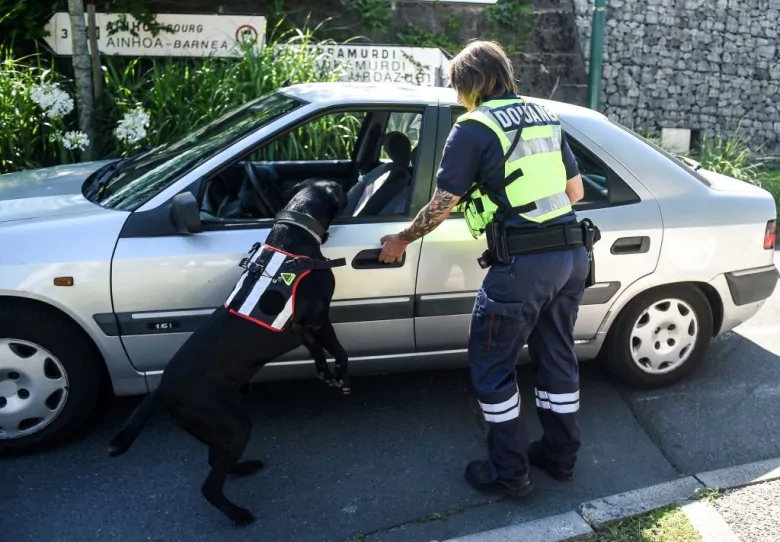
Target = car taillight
(771,235)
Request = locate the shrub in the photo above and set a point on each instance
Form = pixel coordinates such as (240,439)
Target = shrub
(26,131)
(729,156)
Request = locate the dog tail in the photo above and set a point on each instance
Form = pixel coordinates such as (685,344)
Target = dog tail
(133,426)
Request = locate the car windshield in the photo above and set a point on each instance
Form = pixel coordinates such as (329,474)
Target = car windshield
(690,165)
(131,182)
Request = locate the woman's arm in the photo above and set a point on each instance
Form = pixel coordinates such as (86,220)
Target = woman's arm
(574,189)
(430,216)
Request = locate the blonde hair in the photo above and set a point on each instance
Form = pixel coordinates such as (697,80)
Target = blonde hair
(481,70)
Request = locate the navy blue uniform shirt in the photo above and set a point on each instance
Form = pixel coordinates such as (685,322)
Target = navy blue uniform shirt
(472,150)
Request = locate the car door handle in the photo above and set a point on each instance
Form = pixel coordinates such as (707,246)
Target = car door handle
(631,245)
(369,259)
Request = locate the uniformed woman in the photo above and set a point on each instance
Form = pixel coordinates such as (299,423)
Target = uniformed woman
(507,160)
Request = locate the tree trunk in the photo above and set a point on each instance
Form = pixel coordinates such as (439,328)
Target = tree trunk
(82,72)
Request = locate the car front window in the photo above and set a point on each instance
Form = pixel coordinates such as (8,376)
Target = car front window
(135,180)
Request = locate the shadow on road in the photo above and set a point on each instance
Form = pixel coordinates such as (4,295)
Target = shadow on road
(726,413)
(388,462)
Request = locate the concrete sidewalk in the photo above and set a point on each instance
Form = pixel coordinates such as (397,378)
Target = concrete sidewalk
(727,505)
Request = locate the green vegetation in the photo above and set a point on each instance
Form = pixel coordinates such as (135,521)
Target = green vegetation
(178,95)
(376,14)
(26,135)
(418,36)
(667,524)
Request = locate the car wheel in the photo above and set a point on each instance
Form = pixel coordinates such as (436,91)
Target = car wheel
(660,337)
(50,379)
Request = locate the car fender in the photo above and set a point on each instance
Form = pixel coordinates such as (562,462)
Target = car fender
(709,284)
(78,247)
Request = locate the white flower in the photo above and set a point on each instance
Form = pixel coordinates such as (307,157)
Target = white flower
(75,140)
(132,127)
(54,101)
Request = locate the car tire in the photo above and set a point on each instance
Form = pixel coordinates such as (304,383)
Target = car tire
(48,370)
(659,337)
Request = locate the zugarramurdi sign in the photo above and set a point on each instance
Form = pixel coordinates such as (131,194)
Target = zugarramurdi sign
(189,35)
(426,66)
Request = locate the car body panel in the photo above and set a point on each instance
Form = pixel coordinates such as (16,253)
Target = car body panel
(450,277)
(405,318)
(77,246)
(163,284)
(46,192)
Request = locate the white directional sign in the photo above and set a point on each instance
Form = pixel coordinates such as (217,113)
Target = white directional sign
(190,35)
(426,66)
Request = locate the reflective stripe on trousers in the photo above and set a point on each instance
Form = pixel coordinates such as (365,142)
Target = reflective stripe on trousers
(562,403)
(503,411)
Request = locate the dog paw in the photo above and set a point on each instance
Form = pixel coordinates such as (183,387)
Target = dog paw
(245,468)
(242,517)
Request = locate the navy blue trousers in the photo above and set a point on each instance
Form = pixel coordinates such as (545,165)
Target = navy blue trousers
(534,300)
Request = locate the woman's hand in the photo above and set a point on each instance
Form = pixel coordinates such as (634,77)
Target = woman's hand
(393,248)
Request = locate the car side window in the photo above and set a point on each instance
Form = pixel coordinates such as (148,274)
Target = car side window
(408,124)
(602,186)
(254,186)
(595,175)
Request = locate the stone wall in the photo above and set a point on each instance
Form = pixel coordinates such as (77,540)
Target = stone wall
(699,64)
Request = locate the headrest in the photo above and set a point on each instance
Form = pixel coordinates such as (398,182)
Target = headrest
(398,148)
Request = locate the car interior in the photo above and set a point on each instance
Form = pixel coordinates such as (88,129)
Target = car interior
(371,154)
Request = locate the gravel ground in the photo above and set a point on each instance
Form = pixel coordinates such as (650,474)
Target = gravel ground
(753,512)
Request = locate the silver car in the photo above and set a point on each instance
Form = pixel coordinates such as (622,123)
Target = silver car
(107,267)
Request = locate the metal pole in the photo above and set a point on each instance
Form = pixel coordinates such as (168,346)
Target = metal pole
(97,72)
(596,51)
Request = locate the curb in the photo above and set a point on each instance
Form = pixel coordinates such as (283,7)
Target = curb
(596,515)
(708,521)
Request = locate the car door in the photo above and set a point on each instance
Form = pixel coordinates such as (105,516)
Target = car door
(625,212)
(166,285)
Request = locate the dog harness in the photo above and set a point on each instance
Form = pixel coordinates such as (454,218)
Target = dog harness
(265,292)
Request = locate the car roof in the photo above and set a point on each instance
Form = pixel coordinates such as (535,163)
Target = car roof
(334,93)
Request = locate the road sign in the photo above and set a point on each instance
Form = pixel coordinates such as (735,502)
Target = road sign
(426,66)
(191,35)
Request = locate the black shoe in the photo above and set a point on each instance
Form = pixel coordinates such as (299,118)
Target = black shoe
(479,476)
(537,457)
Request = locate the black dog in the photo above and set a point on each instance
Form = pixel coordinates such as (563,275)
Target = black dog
(201,384)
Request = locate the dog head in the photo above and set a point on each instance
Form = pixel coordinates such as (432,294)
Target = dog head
(321,199)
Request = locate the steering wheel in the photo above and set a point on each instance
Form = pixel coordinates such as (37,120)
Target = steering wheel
(272,186)
(265,207)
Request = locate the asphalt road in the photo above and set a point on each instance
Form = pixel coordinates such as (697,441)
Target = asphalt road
(388,462)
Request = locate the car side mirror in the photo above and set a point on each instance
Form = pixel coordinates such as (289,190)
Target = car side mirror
(185,213)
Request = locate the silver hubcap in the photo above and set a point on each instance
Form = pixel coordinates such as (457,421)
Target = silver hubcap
(33,388)
(664,336)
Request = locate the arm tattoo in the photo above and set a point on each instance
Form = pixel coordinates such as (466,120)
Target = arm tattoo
(429,216)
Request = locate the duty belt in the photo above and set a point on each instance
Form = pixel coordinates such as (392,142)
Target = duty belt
(521,242)
(503,243)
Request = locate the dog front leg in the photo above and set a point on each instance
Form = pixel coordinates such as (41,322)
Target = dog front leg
(326,336)
(318,354)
